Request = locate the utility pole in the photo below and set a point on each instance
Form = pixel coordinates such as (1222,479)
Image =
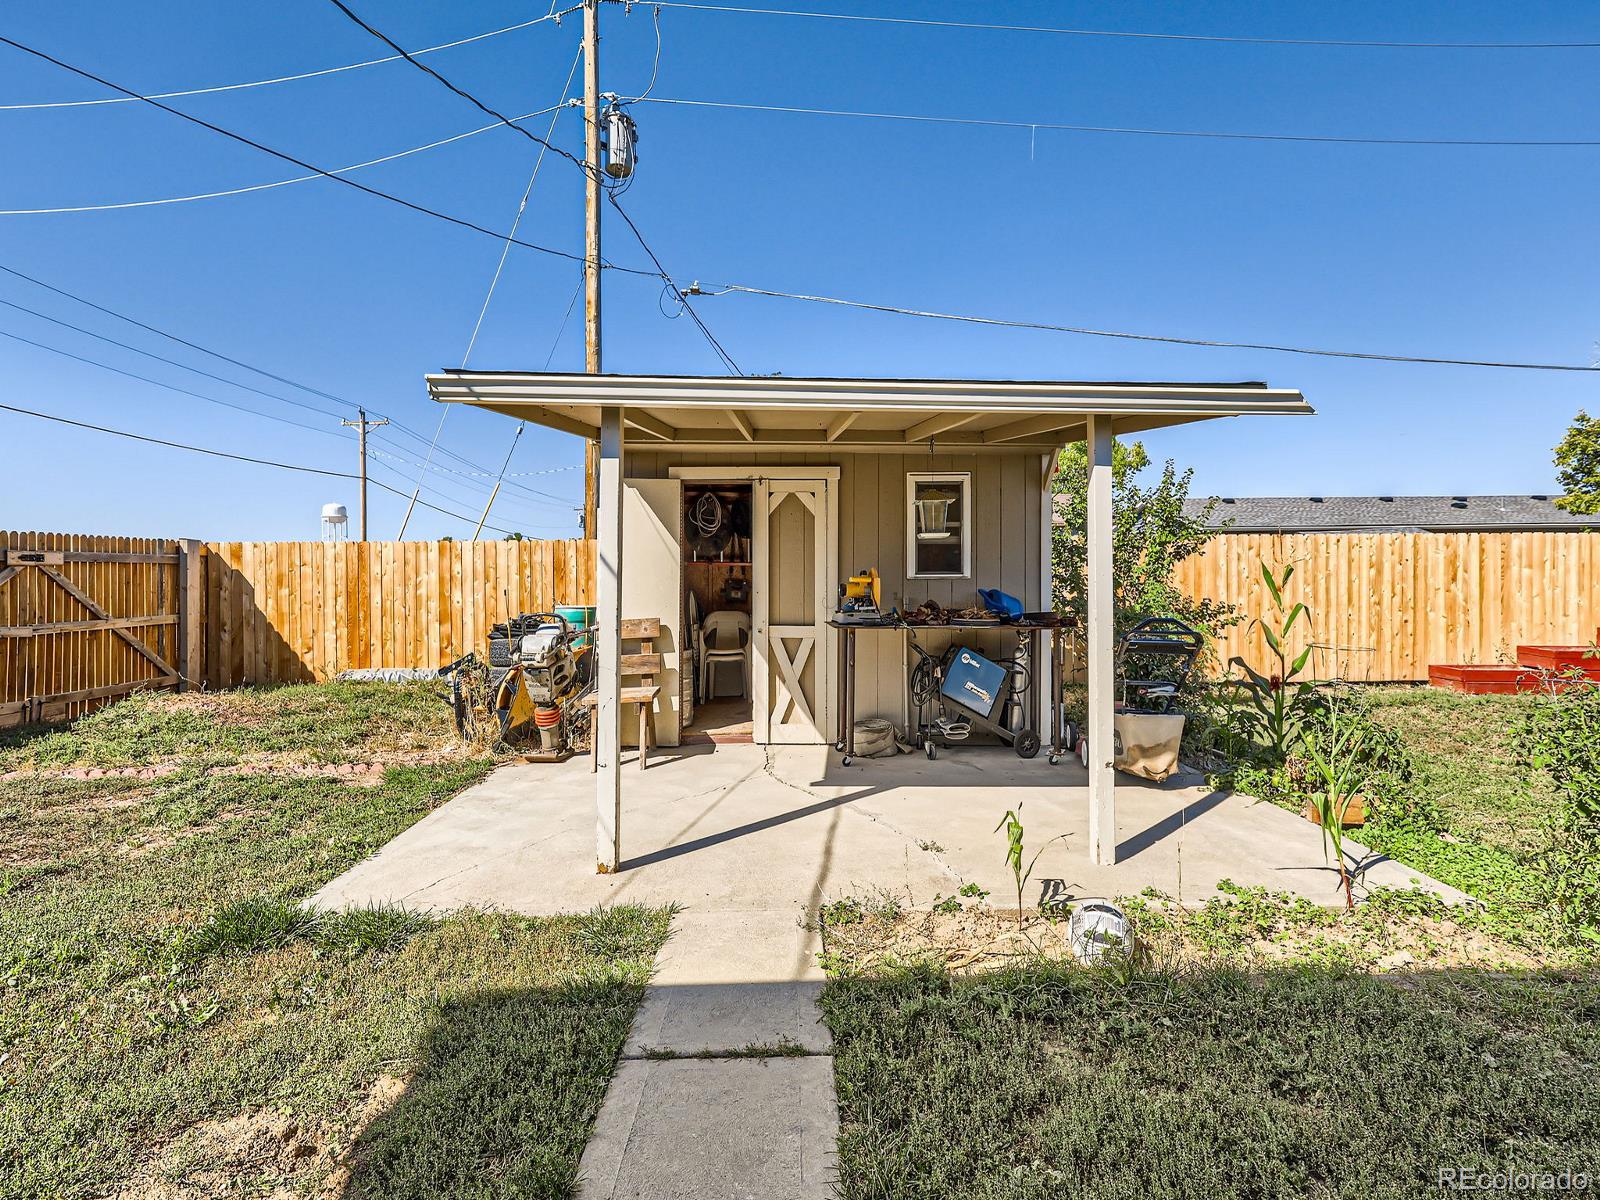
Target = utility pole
(591,239)
(363,425)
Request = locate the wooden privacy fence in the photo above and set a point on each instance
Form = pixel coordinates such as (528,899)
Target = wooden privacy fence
(282,612)
(1386,605)
(84,620)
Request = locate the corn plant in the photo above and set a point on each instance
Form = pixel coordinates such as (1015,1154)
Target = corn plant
(1279,700)
(1339,755)
(1012,824)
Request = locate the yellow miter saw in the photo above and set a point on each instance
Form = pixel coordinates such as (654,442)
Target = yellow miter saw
(861,600)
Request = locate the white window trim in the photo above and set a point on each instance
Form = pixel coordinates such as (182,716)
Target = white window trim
(964,478)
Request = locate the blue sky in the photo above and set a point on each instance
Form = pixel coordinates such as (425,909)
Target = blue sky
(1483,253)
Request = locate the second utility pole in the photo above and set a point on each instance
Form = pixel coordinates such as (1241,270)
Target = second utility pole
(363,425)
(591,238)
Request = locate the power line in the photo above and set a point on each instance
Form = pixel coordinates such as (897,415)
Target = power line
(464,94)
(264,462)
(610,192)
(494,282)
(171,362)
(17,337)
(255,83)
(463,222)
(216,354)
(1134,130)
(257,187)
(1113,33)
(687,307)
(1140,337)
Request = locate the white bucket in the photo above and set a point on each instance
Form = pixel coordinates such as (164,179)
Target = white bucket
(1096,928)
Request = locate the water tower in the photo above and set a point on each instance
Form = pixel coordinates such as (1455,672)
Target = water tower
(335,523)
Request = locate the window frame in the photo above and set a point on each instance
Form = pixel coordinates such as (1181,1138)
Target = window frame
(964,480)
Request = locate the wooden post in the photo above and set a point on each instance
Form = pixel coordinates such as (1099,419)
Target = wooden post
(607,732)
(1100,636)
(191,614)
(591,239)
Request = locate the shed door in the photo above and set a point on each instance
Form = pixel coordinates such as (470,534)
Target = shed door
(652,586)
(792,530)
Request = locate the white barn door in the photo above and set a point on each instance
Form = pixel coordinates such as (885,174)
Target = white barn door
(792,531)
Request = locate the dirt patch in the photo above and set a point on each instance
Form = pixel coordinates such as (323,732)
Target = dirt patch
(359,774)
(263,1152)
(978,939)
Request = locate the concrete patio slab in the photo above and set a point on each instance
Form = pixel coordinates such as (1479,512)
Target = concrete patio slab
(737,1129)
(774,832)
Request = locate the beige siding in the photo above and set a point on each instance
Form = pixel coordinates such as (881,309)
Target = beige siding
(872,532)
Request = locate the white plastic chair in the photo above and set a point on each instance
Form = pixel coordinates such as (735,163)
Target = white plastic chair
(724,639)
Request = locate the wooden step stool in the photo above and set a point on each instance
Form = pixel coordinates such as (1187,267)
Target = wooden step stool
(645,665)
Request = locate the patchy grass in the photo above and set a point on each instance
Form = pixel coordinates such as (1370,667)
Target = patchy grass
(1047,1079)
(1466,765)
(326,722)
(172,1024)
(1260,1046)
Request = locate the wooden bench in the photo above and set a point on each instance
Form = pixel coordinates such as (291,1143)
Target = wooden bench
(646,666)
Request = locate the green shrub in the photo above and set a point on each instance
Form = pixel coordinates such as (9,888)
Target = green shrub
(1561,736)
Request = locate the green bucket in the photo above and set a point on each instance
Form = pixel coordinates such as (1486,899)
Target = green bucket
(577,615)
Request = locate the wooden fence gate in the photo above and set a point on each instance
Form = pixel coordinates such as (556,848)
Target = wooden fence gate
(84,620)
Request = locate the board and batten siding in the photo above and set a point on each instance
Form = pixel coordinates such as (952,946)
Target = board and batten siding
(1006,550)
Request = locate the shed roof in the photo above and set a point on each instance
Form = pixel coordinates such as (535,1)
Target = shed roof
(864,414)
(1319,514)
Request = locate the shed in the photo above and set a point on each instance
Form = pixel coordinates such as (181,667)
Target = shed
(831,471)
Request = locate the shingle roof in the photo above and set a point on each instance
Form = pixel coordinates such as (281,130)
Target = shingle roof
(1312,514)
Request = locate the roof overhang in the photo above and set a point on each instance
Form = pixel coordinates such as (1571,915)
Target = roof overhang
(728,412)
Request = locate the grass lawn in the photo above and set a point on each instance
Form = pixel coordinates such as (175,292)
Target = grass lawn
(1466,765)
(1052,1080)
(173,1025)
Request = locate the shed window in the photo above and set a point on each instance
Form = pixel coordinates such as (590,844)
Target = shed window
(938,525)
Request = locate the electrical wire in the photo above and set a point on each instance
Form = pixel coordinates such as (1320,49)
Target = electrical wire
(1142,337)
(494,282)
(264,462)
(667,279)
(655,68)
(545,497)
(1112,33)
(255,83)
(259,187)
(611,193)
(27,341)
(1133,130)
(463,222)
(171,362)
(462,92)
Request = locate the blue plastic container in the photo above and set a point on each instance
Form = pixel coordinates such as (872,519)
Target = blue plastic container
(973,682)
(1002,604)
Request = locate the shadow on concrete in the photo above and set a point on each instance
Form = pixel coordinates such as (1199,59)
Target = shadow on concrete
(1168,825)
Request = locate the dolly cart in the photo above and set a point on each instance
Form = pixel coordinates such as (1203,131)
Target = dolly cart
(1154,660)
(952,692)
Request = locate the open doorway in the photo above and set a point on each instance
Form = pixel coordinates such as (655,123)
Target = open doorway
(718,605)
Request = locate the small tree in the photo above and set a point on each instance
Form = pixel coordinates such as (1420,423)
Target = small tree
(1578,467)
(1151,534)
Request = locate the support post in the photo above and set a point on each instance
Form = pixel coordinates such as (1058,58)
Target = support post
(191,613)
(591,240)
(1101,730)
(607,732)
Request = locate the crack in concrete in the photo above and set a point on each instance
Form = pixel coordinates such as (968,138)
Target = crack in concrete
(850,805)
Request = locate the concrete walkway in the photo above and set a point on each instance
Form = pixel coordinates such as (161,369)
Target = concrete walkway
(701,1107)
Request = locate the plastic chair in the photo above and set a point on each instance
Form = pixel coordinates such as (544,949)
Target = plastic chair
(724,638)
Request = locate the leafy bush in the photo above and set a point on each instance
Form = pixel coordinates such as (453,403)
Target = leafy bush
(1561,736)
(1151,534)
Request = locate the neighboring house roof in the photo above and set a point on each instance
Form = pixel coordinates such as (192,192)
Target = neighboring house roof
(1448,514)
